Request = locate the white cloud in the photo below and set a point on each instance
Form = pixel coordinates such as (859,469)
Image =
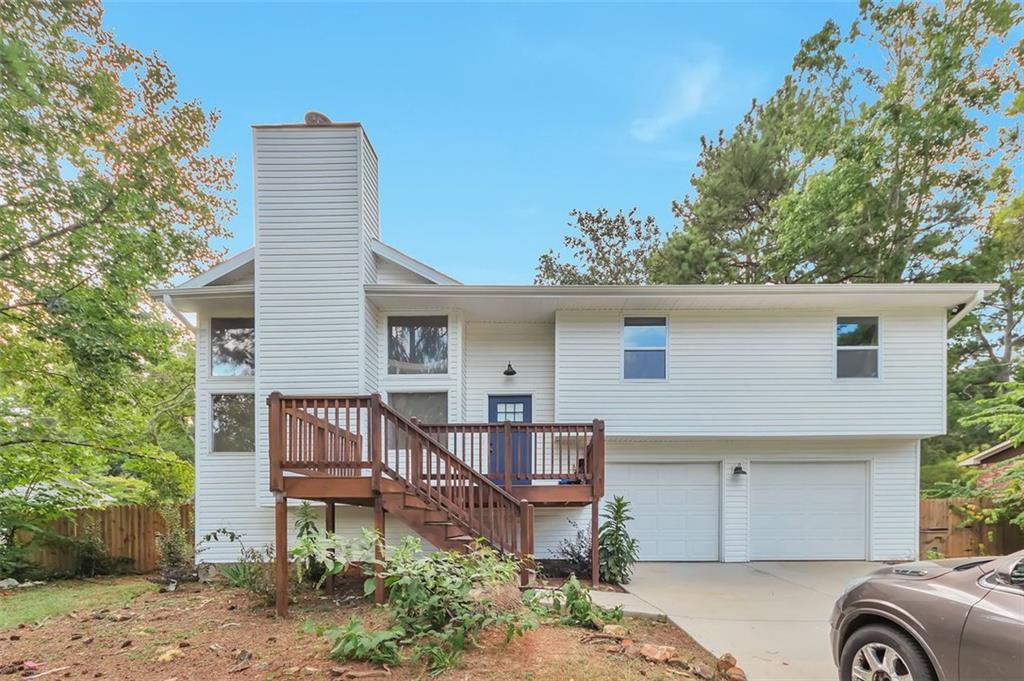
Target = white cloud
(687,97)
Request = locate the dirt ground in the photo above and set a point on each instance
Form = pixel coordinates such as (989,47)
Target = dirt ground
(205,632)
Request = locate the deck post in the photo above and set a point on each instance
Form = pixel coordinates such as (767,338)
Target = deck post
(526,542)
(281,553)
(595,544)
(275,441)
(374,425)
(378,566)
(329,519)
(508,456)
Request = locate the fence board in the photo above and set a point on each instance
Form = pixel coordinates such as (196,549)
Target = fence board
(941,531)
(127,532)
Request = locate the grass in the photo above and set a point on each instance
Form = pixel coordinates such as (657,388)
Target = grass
(25,606)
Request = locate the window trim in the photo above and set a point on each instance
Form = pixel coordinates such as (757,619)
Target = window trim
(209,358)
(836,348)
(386,365)
(255,418)
(623,348)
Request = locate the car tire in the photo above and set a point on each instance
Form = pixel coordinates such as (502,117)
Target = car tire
(909,651)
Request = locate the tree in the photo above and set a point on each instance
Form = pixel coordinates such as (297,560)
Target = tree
(729,223)
(609,249)
(106,189)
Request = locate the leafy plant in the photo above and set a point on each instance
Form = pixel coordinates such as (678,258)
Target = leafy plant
(354,641)
(254,572)
(617,550)
(176,556)
(576,550)
(311,569)
(91,555)
(573,606)
(934,554)
(327,553)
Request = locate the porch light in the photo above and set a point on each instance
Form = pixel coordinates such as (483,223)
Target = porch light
(738,470)
(509,371)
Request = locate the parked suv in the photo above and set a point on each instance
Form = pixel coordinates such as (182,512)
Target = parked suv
(944,620)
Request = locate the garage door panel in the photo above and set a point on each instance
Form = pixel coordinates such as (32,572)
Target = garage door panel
(808,511)
(675,508)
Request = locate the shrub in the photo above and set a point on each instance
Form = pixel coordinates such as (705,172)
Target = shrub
(354,642)
(329,554)
(91,555)
(176,556)
(617,551)
(573,606)
(575,551)
(254,569)
(310,569)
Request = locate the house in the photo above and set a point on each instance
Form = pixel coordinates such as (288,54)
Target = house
(743,423)
(997,454)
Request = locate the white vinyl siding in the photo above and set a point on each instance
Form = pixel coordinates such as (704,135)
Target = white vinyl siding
(312,232)
(763,372)
(531,350)
(391,273)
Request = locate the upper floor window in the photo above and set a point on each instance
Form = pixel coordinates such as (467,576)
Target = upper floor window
(418,345)
(234,422)
(233,347)
(645,342)
(857,347)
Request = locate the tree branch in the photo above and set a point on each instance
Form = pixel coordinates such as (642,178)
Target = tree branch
(63,231)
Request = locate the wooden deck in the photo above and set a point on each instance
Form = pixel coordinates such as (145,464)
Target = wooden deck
(451,483)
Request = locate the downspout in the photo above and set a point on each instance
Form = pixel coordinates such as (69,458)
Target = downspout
(169,302)
(979,296)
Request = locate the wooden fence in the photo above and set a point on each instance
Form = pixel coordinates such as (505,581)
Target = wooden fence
(128,532)
(941,531)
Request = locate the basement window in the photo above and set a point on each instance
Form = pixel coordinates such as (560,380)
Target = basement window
(418,345)
(645,343)
(857,347)
(234,423)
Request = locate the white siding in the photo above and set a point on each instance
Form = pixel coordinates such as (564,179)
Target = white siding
(391,273)
(892,482)
(489,349)
(314,216)
(754,373)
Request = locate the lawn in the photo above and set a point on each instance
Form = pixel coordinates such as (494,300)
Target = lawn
(123,629)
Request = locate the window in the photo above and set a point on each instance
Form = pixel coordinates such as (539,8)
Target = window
(427,407)
(418,345)
(233,347)
(644,343)
(857,347)
(234,423)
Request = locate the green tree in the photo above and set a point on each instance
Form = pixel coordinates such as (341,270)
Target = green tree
(106,188)
(608,249)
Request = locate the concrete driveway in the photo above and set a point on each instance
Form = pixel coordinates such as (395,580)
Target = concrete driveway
(772,616)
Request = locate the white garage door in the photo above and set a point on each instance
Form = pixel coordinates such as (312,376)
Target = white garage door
(674,506)
(808,511)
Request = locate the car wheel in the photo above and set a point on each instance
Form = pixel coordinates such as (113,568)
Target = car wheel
(882,653)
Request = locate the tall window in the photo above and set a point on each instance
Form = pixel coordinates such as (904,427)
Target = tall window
(233,347)
(645,340)
(857,347)
(418,345)
(234,422)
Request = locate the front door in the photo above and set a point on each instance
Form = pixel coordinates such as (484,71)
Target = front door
(515,409)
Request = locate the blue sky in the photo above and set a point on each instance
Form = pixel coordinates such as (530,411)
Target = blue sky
(491,122)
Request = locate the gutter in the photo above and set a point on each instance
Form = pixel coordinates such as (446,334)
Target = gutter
(169,302)
(968,307)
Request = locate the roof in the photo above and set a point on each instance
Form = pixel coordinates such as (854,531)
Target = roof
(525,303)
(981,457)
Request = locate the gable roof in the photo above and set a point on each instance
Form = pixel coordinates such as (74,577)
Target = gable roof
(236,265)
(393,255)
(1006,448)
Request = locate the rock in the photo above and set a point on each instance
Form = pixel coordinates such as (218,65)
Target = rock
(216,648)
(75,637)
(337,671)
(87,641)
(735,674)
(8,583)
(240,667)
(310,671)
(126,644)
(702,671)
(614,630)
(242,655)
(121,616)
(653,653)
(726,661)
(169,654)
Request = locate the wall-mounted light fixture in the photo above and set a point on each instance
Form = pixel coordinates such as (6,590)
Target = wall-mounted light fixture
(738,470)
(509,371)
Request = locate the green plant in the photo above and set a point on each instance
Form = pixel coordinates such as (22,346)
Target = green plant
(91,555)
(254,572)
(310,568)
(576,550)
(176,556)
(354,642)
(617,550)
(326,553)
(934,554)
(573,606)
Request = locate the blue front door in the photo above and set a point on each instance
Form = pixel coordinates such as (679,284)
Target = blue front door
(516,409)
